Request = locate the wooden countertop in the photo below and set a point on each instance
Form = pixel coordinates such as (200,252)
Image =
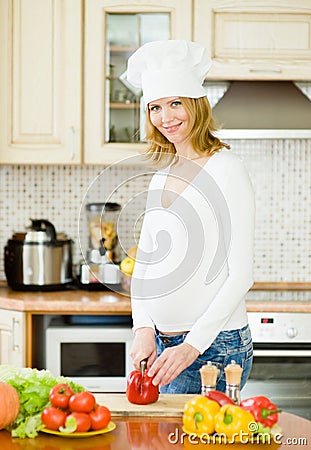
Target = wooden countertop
(278,306)
(105,302)
(65,302)
(159,433)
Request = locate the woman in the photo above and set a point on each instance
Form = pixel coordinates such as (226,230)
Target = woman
(195,253)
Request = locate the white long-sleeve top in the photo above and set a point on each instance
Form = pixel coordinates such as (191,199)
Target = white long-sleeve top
(194,263)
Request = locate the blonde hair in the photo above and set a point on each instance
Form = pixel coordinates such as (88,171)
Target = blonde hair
(201,128)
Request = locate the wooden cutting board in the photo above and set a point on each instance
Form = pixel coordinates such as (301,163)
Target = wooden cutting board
(168,405)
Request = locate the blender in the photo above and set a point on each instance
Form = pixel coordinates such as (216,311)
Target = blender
(100,271)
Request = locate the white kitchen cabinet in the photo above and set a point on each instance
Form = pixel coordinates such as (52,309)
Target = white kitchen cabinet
(113,31)
(255,39)
(40,81)
(12,337)
(41,48)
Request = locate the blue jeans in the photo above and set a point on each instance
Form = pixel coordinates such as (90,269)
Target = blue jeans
(229,345)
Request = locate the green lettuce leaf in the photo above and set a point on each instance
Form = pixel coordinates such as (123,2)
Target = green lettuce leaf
(28,428)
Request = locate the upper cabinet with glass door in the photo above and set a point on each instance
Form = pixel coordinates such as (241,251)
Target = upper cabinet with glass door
(125,33)
(114,113)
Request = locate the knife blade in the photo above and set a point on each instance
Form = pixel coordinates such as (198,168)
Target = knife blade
(143,366)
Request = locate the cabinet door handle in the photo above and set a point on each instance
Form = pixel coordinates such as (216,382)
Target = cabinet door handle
(272,70)
(72,143)
(15,324)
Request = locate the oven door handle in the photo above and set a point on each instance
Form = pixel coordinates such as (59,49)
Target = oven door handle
(281,353)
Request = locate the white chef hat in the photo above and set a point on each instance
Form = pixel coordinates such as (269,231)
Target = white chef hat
(169,68)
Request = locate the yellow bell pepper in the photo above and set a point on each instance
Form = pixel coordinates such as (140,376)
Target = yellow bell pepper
(232,420)
(199,414)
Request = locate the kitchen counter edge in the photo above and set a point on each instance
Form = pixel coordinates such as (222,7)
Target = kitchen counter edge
(106,302)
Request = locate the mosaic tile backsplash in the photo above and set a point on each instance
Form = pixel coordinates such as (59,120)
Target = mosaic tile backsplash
(280,171)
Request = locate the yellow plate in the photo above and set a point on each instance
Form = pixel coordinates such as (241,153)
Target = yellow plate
(110,427)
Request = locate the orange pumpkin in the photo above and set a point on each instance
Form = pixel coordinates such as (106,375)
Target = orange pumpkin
(9,401)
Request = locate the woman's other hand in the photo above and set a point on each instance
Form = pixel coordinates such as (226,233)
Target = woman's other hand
(143,347)
(172,362)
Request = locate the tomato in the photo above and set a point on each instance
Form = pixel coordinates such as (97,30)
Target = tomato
(53,418)
(82,402)
(100,417)
(83,421)
(60,394)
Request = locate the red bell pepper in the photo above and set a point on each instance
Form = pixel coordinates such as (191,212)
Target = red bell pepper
(140,389)
(219,397)
(263,410)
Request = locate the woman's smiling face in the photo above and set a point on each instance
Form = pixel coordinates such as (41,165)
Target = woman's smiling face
(170,117)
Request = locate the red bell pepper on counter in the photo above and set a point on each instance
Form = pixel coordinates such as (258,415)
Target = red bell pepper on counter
(263,410)
(219,397)
(140,389)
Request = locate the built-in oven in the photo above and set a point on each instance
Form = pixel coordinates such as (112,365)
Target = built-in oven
(282,360)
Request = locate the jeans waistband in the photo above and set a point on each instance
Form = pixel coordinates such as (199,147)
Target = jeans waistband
(170,337)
